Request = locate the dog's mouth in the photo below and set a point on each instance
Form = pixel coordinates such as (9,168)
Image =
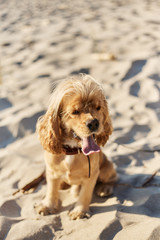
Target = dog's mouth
(89,144)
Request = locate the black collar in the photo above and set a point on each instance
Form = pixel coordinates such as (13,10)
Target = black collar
(71,151)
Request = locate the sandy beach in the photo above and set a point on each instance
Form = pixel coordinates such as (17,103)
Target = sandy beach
(116,42)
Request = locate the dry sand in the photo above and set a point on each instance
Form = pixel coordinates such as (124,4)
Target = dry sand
(118,43)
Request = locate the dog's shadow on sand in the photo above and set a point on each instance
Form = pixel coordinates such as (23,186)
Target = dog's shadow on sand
(131,202)
(135,194)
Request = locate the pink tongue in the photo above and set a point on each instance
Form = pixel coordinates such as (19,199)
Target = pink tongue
(89,146)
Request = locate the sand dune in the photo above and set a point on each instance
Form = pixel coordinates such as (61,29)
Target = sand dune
(117,42)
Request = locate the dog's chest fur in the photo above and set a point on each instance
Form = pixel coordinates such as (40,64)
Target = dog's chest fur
(77,167)
(73,169)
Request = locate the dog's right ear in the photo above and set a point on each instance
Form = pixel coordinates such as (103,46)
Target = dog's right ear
(48,129)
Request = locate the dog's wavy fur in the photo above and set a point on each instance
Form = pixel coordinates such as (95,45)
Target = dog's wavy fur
(73,103)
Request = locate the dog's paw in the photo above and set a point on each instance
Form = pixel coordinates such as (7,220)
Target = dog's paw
(104,190)
(44,210)
(77,213)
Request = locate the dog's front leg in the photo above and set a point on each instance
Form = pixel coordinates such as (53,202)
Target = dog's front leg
(81,209)
(50,203)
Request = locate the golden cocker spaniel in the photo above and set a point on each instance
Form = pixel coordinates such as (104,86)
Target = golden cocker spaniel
(74,127)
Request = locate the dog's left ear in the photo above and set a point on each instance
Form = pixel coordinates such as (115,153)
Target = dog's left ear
(48,129)
(103,138)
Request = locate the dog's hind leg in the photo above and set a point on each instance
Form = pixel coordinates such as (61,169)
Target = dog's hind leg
(107,177)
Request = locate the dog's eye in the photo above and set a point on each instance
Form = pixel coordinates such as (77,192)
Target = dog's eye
(75,112)
(98,108)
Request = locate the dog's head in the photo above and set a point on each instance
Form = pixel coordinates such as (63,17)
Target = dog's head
(77,116)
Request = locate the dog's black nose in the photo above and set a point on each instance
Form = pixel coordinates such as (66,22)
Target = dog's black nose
(92,125)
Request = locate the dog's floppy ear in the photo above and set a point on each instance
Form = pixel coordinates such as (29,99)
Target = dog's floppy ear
(103,138)
(48,128)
